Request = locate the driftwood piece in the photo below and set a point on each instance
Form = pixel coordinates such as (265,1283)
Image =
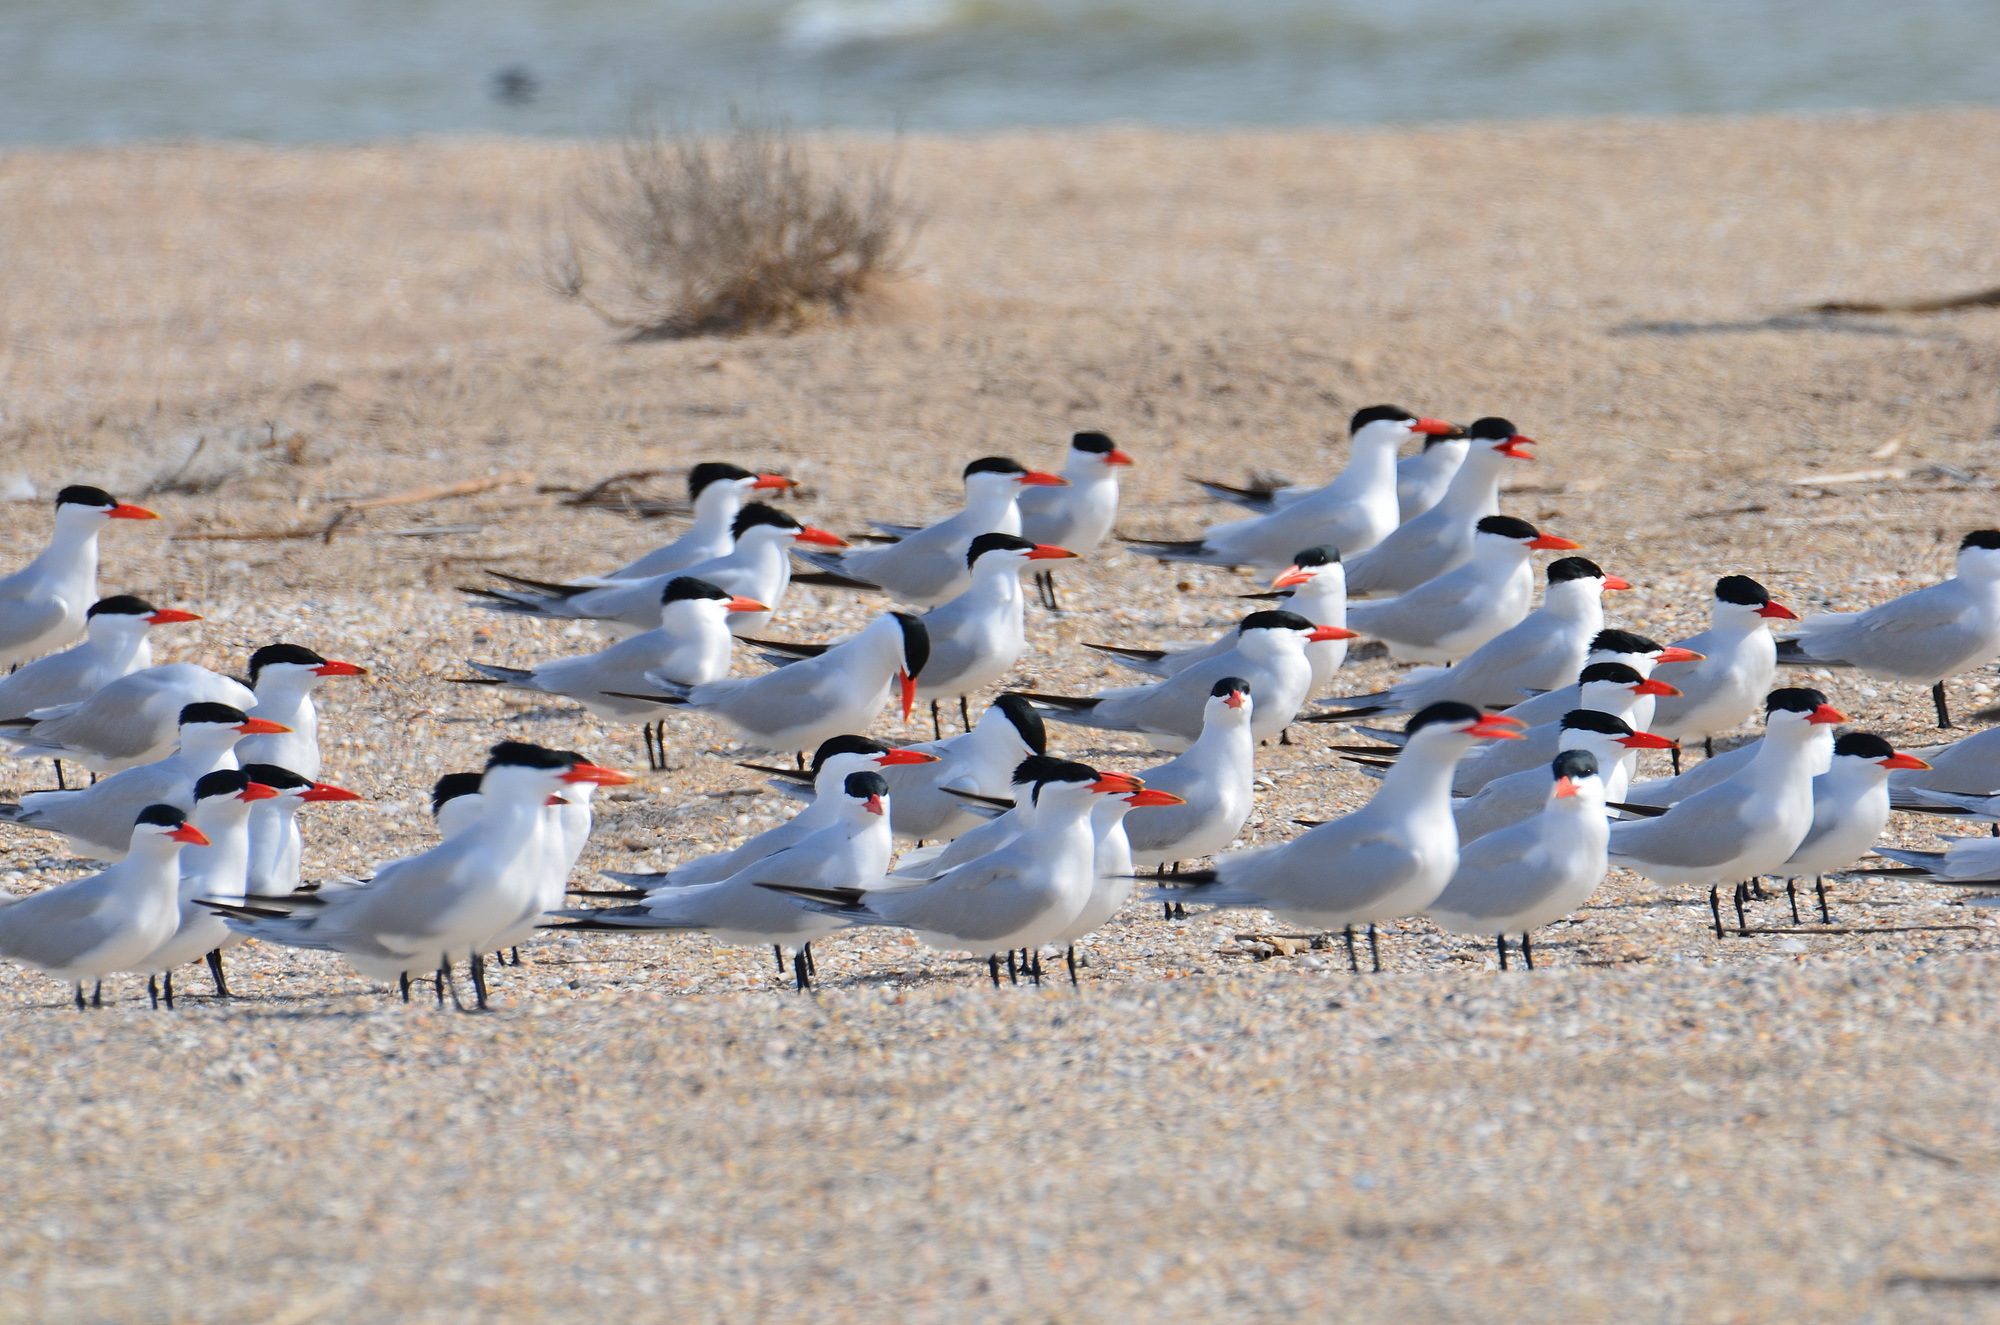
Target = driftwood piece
(1977,299)
(464,488)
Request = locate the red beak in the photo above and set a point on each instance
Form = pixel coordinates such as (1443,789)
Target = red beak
(1117,457)
(1825,714)
(909,689)
(1778,612)
(168,616)
(1651,687)
(1507,447)
(1645,741)
(1140,799)
(1901,760)
(256,791)
(125,510)
(555,800)
(1123,784)
(1435,427)
(1678,654)
(741,604)
(774,481)
(332,668)
(1553,542)
(1035,478)
(1331,632)
(1048,552)
(1616,582)
(889,757)
(874,805)
(261,727)
(820,536)
(1565,787)
(326,791)
(603,777)
(189,834)
(1293,575)
(1496,726)
(1234,699)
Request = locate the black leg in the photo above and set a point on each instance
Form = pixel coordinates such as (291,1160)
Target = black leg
(215,974)
(778,953)
(1374,951)
(1792,896)
(1501,939)
(964,713)
(799,757)
(60,784)
(97,994)
(1527,952)
(1353,962)
(403,981)
(1819,886)
(79,996)
(1070,958)
(1943,709)
(992,969)
(516,950)
(1708,747)
(801,981)
(1013,977)
(478,964)
(167,989)
(443,979)
(153,991)
(1715,906)
(1285,736)
(1675,754)
(937,728)
(1742,895)
(812,967)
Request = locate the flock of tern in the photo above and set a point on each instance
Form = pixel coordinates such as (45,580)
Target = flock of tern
(1506,793)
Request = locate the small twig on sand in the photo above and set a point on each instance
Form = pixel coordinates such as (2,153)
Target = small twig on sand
(1977,299)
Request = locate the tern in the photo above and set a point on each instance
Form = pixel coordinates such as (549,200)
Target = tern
(758,567)
(1269,654)
(927,566)
(222,804)
(1850,810)
(1636,651)
(717,492)
(114,644)
(1442,537)
(1928,636)
(1390,858)
(1725,687)
(804,703)
(1353,513)
(456,804)
(107,923)
(276,848)
(1509,799)
(850,850)
(129,722)
(1421,479)
(1612,689)
(1518,878)
(1214,779)
(1444,619)
(43,605)
(98,819)
(1078,517)
(283,678)
(1006,818)
(1545,651)
(1963,775)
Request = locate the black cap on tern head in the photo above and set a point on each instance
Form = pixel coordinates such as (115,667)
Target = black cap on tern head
(82,494)
(1985,539)
(1506,526)
(1592,720)
(282,653)
(863,785)
(845,745)
(1042,770)
(1229,685)
(1448,711)
(161,816)
(1094,442)
(756,513)
(986,543)
(451,786)
(520,754)
(713,471)
(994,464)
(1794,699)
(123,604)
(1375,414)
(1574,764)
(1742,591)
(684,587)
(1491,429)
(916,643)
(1574,568)
(222,782)
(1622,641)
(1863,745)
(1323,555)
(217,713)
(283,779)
(1026,720)
(1277,619)
(1609,671)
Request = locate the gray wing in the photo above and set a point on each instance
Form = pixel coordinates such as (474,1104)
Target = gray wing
(56,927)
(973,902)
(1703,830)
(25,620)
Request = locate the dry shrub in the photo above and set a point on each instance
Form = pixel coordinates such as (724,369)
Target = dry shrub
(682,234)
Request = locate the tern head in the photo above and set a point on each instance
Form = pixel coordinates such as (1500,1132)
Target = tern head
(998,474)
(300,789)
(1499,436)
(1742,601)
(1098,449)
(1451,719)
(1394,423)
(1006,549)
(1576,774)
(1622,677)
(450,787)
(916,652)
(1979,555)
(1799,708)
(702,596)
(869,792)
(1870,751)
(1038,774)
(1506,531)
(738,479)
(1308,564)
(222,726)
(757,523)
(81,502)
(297,665)
(124,612)
(1584,573)
(1022,718)
(1262,630)
(1230,696)
(1587,728)
(166,828)
(862,752)
(1612,645)
(236,784)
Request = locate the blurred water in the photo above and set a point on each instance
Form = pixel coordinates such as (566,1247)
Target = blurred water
(88,70)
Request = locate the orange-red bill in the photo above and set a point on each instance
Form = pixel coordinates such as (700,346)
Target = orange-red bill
(1901,760)
(602,776)
(261,727)
(1652,687)
(820,536)
(1048,552)
(125,510)
(908,684)
(326,791)
(1292,575)
(1507,449)
(1777,612)
(168,616)
(1035,478)
(1677,654)
(1645,741)
(741,604)
(774,481)
(1435,427)
(334,667)
(1565,787)
(1491,727)
(1616,582)
(189,834)
(1553,542)
(1826,714)
(1331,632)
(1117,457)
(1141,799)
(888,757)
(256,791)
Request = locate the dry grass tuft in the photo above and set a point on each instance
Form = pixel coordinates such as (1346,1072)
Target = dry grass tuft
(681,234)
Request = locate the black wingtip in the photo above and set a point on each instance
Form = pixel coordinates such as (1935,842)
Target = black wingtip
(541,586)
(1644,811)
(651,699)
(826,579)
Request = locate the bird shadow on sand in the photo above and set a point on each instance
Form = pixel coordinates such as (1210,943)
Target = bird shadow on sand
(1846,326)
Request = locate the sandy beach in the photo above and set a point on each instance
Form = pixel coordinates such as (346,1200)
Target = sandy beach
(1655,1126)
